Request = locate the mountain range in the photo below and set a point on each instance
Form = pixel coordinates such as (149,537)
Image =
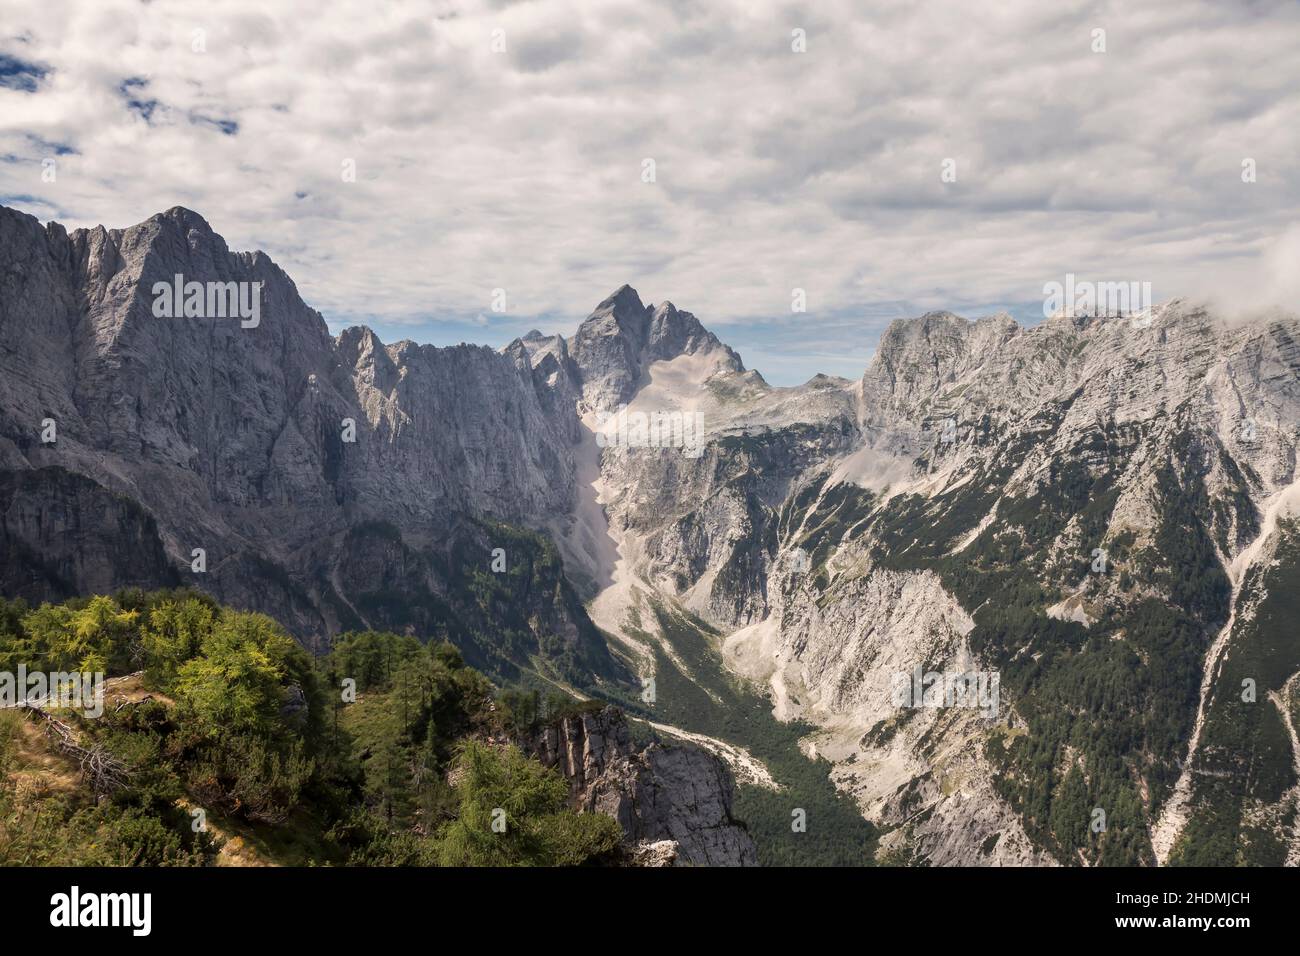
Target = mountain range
(1096,514)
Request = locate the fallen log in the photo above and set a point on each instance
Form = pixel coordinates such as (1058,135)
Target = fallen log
(104,772)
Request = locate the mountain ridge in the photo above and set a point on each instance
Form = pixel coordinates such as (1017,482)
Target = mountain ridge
(949,508)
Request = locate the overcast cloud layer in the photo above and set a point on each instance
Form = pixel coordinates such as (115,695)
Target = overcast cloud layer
(774,169)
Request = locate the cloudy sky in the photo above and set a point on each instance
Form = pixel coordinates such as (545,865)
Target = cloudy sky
(503,145)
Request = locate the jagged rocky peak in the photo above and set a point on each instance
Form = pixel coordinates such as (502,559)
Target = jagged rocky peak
(616,344)
(364,356)
(356,342)
(674,332)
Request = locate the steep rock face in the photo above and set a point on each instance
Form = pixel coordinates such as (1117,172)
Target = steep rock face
(1106,474)
(662,792)
(263,446)
(916,358)
(58,528)
(704,525)
(555,376)
(833,654)
(253,416)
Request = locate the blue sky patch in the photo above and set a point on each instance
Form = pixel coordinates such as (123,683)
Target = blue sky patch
(19,74)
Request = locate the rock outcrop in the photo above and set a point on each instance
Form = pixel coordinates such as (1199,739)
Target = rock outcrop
(658,792)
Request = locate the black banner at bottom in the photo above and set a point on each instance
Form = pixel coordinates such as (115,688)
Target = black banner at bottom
(338,906)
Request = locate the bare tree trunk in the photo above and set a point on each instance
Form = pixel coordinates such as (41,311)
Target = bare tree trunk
(101,769)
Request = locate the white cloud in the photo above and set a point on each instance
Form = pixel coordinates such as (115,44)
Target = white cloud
(522,170)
